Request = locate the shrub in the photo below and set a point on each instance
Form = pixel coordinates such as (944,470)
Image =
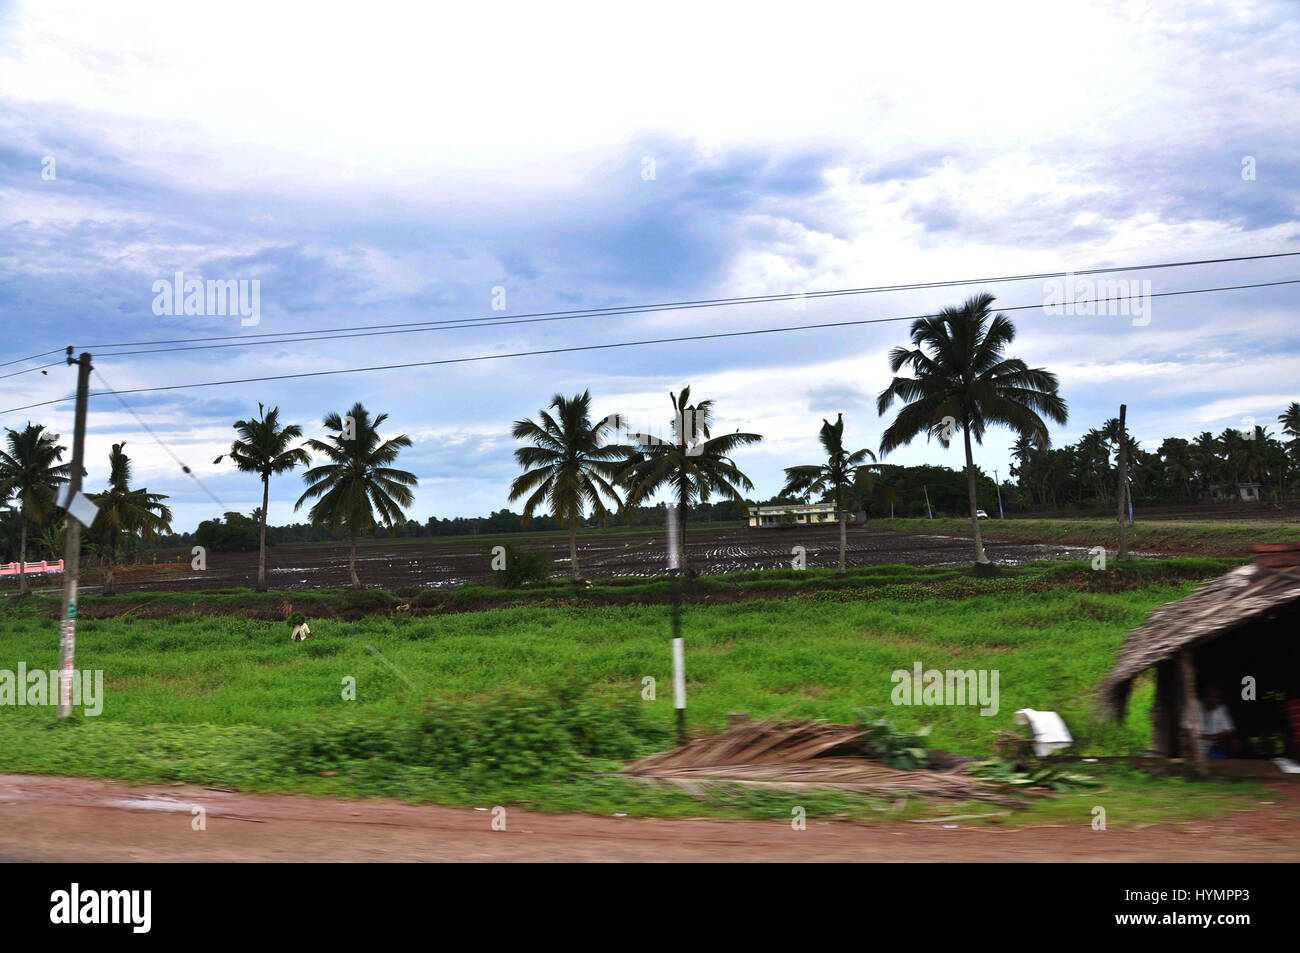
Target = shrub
(523,567)
(514,737)
(358,603)
(238,534)
(894,746)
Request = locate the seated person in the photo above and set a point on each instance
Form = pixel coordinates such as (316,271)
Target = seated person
(1218,736)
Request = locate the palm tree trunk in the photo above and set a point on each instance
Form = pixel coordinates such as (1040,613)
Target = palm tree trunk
(22,556)
(261,543)
(681,535)
(980,558)
(573,548)
(843,521)
(352,559)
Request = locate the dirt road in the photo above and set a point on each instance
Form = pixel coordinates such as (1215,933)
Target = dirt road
(80,820)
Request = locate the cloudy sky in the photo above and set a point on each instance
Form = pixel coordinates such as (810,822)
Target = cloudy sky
(384,163)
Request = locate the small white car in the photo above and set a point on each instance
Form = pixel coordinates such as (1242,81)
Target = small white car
(981,515)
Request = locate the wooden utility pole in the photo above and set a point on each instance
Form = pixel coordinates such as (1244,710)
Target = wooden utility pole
(72,549)
(1122,556)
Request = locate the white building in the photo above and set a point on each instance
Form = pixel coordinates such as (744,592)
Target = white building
(805,514)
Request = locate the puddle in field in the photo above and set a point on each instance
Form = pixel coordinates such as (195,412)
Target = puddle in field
(150,802)
(1036,552)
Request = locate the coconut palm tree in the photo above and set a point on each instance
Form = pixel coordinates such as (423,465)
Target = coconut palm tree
(567,465)
(963,378)
(1093,458)
(835,476)
(1290,421)
(125,514)
(1206,455)
(693,465)
(1176,456)
(1029,468)
(1115,438)
(31,470)
(358,482)
(264,448)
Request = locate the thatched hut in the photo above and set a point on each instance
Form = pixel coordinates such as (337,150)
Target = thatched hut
(1238,630)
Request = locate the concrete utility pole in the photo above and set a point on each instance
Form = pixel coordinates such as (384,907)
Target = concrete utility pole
(77,509)
(926,491)
(679,650)
(998,485)
(1123,555)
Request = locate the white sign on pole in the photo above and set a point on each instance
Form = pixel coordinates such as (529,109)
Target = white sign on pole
(78,507)
(679,675)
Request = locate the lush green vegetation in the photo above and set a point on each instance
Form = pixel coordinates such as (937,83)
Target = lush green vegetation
(528,704)
(1208,539)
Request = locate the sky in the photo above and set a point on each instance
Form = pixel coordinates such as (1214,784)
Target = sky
(385,163)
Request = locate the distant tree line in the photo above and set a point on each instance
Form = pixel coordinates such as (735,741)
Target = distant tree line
(1205,469)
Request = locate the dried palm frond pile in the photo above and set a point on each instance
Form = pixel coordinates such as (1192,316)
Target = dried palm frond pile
(756,742)
(794,755)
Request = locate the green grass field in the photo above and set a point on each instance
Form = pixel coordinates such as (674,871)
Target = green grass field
(521,704)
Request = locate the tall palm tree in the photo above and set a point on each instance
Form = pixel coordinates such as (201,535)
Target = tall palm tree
(1290,421)
(125,514)
(31,470)
(1234,445)
(835,476)
(693,465)
(1115,438)
(1028,468)
(1255,455)
(961,372)
(1176,455)
(358,481)
(264,448)
(1206,452)
(1093,458)
(567,466)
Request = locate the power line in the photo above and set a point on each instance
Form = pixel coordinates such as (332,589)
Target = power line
(158,440)
(283,337)
(54,350)
(28,370)
(598,347)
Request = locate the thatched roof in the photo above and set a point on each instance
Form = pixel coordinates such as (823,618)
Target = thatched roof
(1213,610)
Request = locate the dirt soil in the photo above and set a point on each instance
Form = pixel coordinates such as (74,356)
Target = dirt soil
(82,820)
(432,564)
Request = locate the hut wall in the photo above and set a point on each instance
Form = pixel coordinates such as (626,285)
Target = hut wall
(1166,709)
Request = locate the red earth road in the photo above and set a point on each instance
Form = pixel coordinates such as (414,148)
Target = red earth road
(82,820)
